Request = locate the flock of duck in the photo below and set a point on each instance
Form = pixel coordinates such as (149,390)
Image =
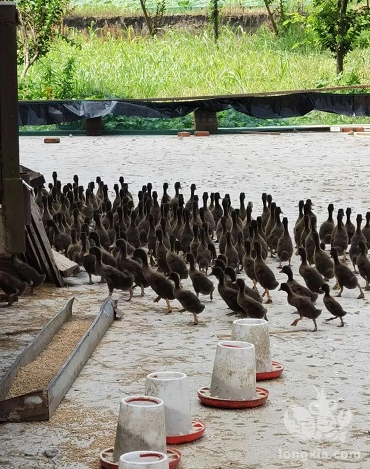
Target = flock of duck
(162,240)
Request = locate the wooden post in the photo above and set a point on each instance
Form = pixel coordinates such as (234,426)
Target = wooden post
(11,190)
(205,120)
(94,126)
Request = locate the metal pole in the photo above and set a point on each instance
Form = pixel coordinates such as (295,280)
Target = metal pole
(11,191)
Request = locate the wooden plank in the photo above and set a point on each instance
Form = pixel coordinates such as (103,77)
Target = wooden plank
(60,384)
(35,347)
(66,266)
(38,234)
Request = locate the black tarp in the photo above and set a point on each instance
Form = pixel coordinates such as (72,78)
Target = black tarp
(265,107)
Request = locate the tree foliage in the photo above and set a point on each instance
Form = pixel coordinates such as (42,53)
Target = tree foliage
(337,24)
(38,27)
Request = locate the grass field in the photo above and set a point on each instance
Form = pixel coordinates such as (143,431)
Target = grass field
(179,63)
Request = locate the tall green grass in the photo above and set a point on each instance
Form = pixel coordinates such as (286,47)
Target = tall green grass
(179,63)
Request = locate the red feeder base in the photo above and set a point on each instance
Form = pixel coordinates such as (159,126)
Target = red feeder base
(205,397)
(106,458)
(197,432)
(277,369)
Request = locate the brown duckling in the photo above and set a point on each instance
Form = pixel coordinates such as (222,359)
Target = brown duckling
(366,229)
(350,227)
(333,306)
(188,300)
(305,307)
(299,224)
(340,236)
(161,257)
(128,264)
(327,227)
(356,239)
(115,278)
(204,256)
(251,307)
(229,295)
(345,277)
(313,279)
(323,263)
(231,253)
(157,281)
(12,287)
(75,248)
(174,261)
(296,287)
(61,241)
(363,264)
(201,283)
(27,273)
(264,274)
(285,245)
(88,260)
(107,258)
(248,263)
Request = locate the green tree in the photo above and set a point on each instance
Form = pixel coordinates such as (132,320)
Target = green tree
(337,24)
(38,27)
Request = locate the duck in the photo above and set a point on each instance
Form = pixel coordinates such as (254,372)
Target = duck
(276,232)
(229,295)
(128,264)
(357,238)
(299,225)
(230,277)
(350,227)
(340,236)
(189,203)
(248,263)
(231,253)
(161,257)
(322,261)
(102,232)
(186,235)
(305,307)
(235,228)
(75,248)
(264,274)
(11,287)
(114,278)
(327,227)
(366,229)
(333,306)
(265,209)
(27,273)
(61,241)
(247,290)
(157,281)
(217,210)
(313,279)
(240,249)
(285,245)
(188,300)
(107,257)
(221,235)
(133,234)
(296,287)
(174,261)
(363,264)
(204,255)
(251,308)
(165,197)
(201,283)
(88,260)
(345,277)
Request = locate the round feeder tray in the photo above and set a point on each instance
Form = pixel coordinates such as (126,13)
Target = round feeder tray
(205,397)
(277,369)
(106,458)
(197,432)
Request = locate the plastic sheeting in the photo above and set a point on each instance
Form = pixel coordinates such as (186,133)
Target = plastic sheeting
(265,107)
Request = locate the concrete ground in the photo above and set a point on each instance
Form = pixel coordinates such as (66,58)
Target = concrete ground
(317,411)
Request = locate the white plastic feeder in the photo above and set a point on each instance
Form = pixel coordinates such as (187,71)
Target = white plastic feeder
(143,460)
(172,388)
(234,371)
(141,426)
(256,332)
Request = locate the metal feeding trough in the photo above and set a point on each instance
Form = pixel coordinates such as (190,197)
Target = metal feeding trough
(40,404)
